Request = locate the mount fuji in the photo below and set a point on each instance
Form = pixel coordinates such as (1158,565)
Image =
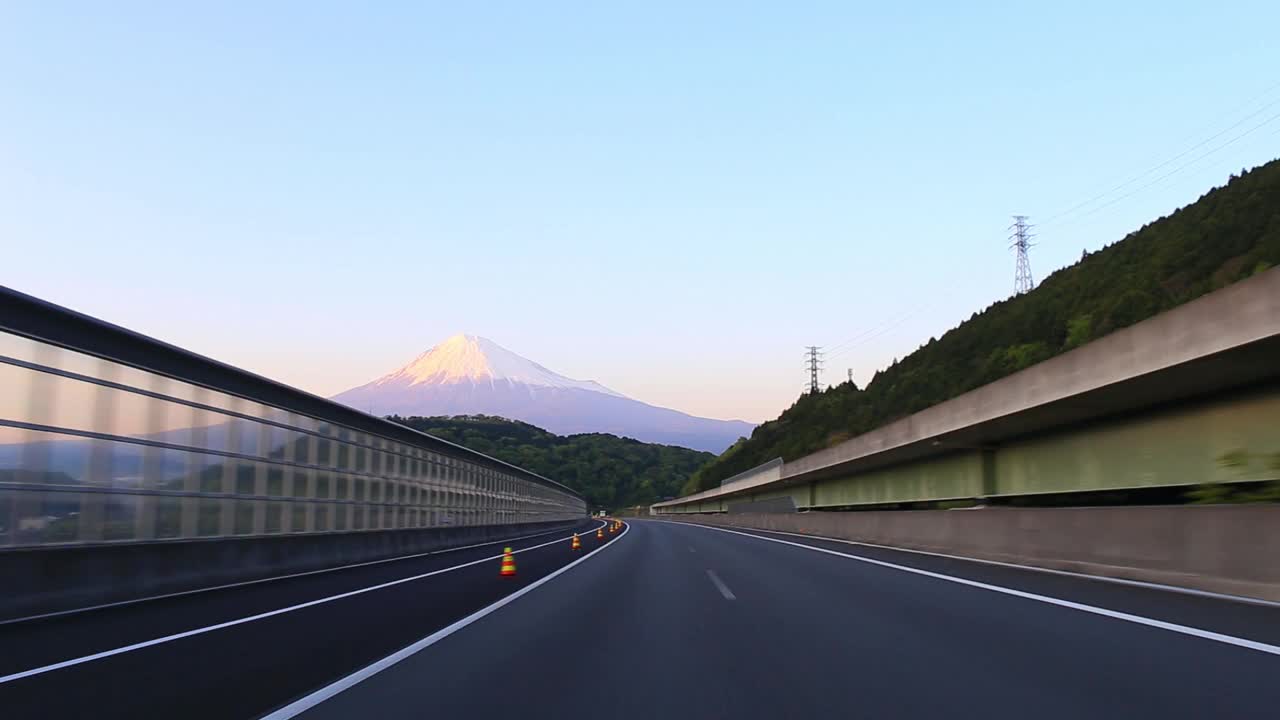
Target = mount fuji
(469,375)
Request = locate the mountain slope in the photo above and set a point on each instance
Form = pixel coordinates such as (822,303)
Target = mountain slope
(611,472)
(1228,234)
(470,375)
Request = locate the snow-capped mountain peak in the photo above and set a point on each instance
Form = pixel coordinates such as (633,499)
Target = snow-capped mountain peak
(470,358)
(470,375)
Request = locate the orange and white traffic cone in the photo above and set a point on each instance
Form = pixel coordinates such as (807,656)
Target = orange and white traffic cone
(577,544)
(508,563)
(600,533)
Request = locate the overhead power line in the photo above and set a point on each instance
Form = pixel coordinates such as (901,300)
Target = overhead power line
(1180,168)
(1056,217)
(887,330)
(891,322)
(881,330)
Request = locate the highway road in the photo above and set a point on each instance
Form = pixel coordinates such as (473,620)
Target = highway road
(662,620)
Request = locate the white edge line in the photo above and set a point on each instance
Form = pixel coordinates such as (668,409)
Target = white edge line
(1114,614)
(309,701)
(1052,571)
(251,618)
(228,586)
(724,589)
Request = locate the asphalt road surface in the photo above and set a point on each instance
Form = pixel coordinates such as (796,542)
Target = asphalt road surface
(662,620)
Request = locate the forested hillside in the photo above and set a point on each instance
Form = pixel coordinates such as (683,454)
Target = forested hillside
(610,471)
(1228,234)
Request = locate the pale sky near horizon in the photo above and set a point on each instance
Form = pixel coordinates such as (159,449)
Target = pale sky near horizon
(669,198)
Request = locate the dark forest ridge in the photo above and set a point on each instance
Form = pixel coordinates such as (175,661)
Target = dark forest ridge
(610,471)
(1230,233)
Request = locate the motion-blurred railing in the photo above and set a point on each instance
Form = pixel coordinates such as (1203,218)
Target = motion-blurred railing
(96,449)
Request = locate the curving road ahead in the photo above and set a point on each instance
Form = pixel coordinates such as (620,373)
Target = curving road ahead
(663,620)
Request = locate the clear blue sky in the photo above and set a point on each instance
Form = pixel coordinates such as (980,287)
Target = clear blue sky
(670,198)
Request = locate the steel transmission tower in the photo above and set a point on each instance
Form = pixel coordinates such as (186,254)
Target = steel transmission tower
(1020,241)
(813,363)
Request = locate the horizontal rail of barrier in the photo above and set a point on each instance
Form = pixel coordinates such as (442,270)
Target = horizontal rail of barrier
(108,437)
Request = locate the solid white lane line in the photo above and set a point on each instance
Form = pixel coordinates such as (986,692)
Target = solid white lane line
(1127,617)
(724,589)
(1052,571)
(307,702)
(251,618)
(244,583)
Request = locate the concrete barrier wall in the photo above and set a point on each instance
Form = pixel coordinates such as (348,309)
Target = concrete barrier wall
(1214,324)
(1232,549)
(50,579)
(1175,446)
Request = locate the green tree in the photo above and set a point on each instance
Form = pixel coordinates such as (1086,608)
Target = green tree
(1078,329)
